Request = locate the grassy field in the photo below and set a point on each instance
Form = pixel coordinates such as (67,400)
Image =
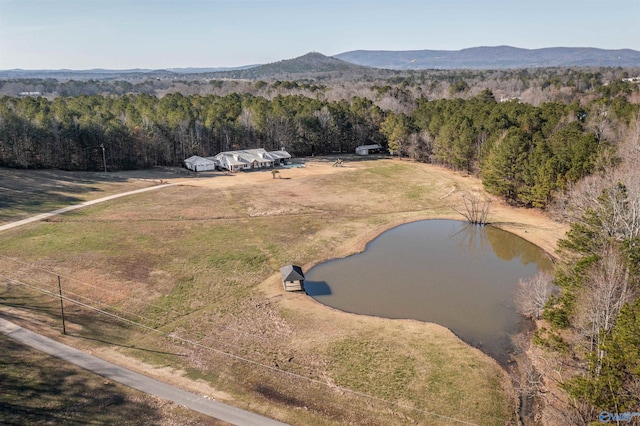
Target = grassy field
(38,389)
(24,193)
(198,264)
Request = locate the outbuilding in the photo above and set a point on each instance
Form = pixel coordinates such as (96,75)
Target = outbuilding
(292,278)
(368,149)
(199,164)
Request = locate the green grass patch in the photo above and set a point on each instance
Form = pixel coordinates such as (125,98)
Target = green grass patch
(415,192)
(387,170)
(371,366)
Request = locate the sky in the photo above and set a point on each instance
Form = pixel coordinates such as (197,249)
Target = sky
(126,34)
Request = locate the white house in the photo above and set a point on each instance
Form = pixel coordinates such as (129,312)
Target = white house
(250,159)
(367,149)
(199,164)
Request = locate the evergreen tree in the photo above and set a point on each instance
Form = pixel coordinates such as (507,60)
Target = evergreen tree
(503,173)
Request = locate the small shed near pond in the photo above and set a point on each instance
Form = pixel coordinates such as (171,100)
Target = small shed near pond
(292,278)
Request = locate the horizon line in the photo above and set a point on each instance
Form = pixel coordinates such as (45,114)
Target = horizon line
(221,68)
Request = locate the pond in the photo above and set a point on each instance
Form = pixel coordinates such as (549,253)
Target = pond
(448,272)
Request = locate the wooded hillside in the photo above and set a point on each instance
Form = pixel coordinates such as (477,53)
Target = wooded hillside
(523,151)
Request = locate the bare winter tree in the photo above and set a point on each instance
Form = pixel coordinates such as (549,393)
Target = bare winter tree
(476,209)
(606,291)
(625,205)
(601,125)
(420,146)
(532,294)
(615,197)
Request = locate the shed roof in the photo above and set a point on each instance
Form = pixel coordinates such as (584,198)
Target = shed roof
(376,146)
(292,273)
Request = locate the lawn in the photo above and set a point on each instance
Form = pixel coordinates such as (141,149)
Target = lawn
(198,264)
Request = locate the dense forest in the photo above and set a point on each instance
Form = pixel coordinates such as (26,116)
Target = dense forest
(524,152)
(564,140)
(587,353)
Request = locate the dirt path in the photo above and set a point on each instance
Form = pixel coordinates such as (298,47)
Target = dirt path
(44,216)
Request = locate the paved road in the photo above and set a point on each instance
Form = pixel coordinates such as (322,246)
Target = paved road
(135,380)
(78,206)
(114,372)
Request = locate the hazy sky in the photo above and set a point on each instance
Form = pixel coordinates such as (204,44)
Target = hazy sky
(121,34)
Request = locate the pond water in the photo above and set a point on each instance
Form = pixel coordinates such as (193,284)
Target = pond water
(448,272)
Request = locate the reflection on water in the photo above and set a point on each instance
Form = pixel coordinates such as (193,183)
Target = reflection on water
(448,272)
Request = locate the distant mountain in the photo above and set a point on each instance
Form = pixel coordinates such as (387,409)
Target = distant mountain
(107,74)
(361,63)
(493,58)
(306,65)
(309,65)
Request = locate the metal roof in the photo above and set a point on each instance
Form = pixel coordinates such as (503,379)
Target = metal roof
(246,156)
(196,160)
(243,157)
(279,155)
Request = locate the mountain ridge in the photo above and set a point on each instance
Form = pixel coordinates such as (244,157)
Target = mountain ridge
(309,63)
(492,57)
(367,63)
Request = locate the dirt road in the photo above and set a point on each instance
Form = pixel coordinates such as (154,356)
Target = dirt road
(77,206)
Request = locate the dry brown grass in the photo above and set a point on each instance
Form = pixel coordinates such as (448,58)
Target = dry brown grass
(38,389)
(199,262)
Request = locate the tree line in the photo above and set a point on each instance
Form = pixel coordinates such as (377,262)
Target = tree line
(590,358)
(524,153)
(140,131)
(534,85)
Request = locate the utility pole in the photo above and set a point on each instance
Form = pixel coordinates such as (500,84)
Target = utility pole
(64,328)
(104,158)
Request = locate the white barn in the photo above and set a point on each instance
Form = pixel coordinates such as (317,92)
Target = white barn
(199,164)
(367,149)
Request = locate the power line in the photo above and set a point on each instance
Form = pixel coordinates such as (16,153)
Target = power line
(165,310)
(138,303)
(80,298)
(84,283)
(233,356)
